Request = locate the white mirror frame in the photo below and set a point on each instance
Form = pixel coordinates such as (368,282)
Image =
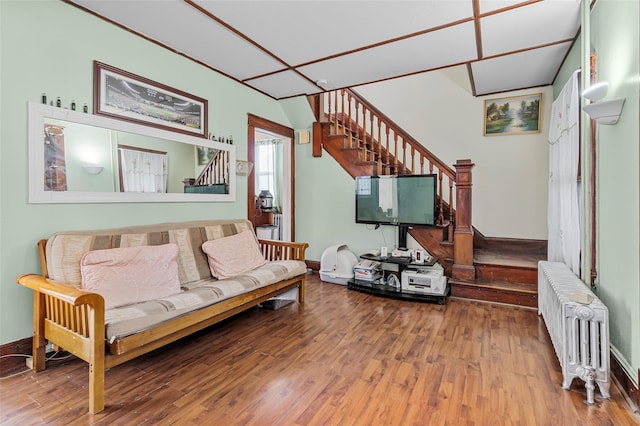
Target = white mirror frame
(37,194)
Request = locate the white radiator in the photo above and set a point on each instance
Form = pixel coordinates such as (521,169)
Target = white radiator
(578,323)
(277,222)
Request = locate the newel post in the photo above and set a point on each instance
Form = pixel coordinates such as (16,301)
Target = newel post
(463,234)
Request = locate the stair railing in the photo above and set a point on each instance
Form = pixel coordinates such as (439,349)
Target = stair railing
(382,141)
(215,170)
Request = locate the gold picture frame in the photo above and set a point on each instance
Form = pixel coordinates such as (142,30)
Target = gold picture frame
(512,115)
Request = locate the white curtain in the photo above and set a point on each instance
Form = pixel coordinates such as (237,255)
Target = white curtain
(143,171)
(563,215)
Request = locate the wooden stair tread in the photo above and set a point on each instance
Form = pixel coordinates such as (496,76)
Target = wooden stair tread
(497,285)
(510,259)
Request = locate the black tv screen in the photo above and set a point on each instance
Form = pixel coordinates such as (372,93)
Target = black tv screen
(396,200)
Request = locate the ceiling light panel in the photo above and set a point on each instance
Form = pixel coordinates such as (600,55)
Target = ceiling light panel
(284,84)
(304,31)
(432,50)
(527,69)
(533,25)
(185,29)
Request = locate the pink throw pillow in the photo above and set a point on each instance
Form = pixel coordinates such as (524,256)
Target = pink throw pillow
(233,255)
(128,275)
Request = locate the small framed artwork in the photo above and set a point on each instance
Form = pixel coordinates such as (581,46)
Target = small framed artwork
(204,154)
(126,96)
(514,115)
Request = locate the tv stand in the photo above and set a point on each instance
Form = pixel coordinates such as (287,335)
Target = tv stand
(396,265)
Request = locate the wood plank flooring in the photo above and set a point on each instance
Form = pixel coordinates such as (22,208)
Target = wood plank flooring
(344,358)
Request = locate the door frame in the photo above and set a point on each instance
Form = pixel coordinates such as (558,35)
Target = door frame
(254,123)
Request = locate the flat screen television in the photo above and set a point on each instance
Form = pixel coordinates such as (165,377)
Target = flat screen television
(404,200)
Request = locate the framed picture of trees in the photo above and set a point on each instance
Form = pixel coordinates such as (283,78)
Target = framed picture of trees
(514,115)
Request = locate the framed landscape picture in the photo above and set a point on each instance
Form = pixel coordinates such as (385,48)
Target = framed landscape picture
(126,96)
(514,115)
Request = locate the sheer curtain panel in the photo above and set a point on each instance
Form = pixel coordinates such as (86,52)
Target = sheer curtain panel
(143,171)
(563,215)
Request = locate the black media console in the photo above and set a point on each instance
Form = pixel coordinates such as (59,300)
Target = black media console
(395,265)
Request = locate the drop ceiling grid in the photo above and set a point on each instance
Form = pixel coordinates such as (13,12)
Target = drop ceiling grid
(304,31)
(181,27)
(428,51)
(283,84)
(349,43)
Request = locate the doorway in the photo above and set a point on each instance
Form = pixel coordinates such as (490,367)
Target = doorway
(270,149)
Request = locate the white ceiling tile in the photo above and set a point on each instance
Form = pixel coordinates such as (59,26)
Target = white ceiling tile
(491,5)
(533,25)
(183,28)
(284,84)
(302,31)
(527,69)
(433,50)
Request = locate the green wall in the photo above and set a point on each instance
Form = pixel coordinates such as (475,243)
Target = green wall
(614,38)
(50,46)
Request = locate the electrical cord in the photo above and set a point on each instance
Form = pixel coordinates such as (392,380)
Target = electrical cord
(49,358)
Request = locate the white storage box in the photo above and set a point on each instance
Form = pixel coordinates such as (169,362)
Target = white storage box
(336,264)
(267,232)
(424,281)
(367,270)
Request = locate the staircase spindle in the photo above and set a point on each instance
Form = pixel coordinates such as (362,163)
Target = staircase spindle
(344,129)
(395,152)
(404,152)
(380,158)
(387,157)
(335,112)
(329,108)
(363,146)
(357,124)
(372,148)
(350,139)
(441,203)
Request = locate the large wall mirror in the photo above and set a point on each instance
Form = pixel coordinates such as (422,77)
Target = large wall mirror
(76,157)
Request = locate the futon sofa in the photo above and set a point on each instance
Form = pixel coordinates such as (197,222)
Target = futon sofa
(110,295)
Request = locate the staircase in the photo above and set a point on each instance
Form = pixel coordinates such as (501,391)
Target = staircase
(366,142)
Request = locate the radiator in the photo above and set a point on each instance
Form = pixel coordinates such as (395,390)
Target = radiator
(277,222)
(578,324)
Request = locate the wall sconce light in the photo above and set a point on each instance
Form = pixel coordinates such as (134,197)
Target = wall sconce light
(93,169)
(243,168)
(603,112)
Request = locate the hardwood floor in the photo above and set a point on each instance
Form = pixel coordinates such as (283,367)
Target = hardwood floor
(344,358)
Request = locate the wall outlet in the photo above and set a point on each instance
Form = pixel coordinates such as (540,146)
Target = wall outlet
(30,362)
(49,348)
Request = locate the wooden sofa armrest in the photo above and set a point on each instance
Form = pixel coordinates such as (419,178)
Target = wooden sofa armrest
(71,295)
(74,320)
(280,250)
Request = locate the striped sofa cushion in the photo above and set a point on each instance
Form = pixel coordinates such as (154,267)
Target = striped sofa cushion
(126,320)
(65,249)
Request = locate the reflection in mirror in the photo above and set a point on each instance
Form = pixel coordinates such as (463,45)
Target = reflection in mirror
(88,158)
